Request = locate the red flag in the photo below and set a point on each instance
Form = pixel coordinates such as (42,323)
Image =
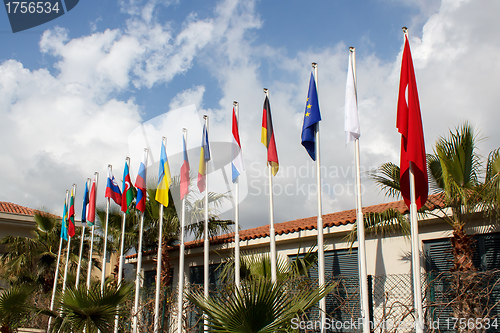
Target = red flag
(409,124)
(71,215)
(91,209)
(267,137)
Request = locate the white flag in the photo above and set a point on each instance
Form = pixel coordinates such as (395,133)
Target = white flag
(351,124)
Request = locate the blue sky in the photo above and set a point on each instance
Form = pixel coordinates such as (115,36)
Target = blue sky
(75,91)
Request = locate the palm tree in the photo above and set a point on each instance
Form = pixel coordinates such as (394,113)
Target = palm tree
(455,177)
(455,170)
(258,306)
(261,305)
(89,310)
(32,260)
(258,265)
(14,306)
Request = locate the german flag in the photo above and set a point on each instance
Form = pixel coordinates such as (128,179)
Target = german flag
(267,138)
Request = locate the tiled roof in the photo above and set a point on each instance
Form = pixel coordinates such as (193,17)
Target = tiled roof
(329,220)
(9,207)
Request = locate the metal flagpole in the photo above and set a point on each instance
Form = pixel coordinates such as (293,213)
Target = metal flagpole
(91,250)
(206,256)
(158,261)
(122,246)
(67,251)
(139,263)
(363,280)
(81,248)
(415,257)
(415,249)
(321,250)
(181,260)
(237,214)
(56,274)
(103,273)
(272,232)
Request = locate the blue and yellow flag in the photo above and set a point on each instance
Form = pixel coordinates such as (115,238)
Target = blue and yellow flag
(164,179)
(204,158)
(64,228)
(312,116)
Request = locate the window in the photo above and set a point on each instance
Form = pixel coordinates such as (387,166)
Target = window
(343,303)
(196,274)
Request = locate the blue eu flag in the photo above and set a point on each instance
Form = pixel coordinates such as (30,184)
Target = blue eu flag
(311,117)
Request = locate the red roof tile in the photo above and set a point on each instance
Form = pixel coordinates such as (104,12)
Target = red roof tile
(329,220)
(8,207)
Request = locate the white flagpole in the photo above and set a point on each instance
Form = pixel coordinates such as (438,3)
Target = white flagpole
(363,277)
(415,249)
(122,246)
(158,262)
(415,257)
(91,250)
(67,251)
(103,273)
(81,248)
(181,259)
(206,256)
(56,274)
(237,215)
(139,263)
(321,250)
(272,232)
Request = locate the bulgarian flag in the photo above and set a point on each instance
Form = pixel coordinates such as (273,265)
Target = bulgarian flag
(267,138)
(128,194)
(409,124)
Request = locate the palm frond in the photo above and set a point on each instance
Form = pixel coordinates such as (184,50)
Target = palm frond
(387,222)
(387,178)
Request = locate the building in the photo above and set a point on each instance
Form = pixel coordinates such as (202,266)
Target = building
(388,258)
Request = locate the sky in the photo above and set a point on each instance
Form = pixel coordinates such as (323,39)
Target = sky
(111,77)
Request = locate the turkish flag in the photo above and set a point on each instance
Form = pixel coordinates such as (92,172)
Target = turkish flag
(409,124)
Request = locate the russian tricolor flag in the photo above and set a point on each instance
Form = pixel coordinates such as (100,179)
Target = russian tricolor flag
(237,162)
(140,184)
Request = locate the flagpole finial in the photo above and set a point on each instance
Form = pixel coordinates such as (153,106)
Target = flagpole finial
(235,103)
(266,90)
(314,64)
(205,116)
(110,166)
(96,173)
(405,30)
(184,130)
(145,150)
(352,48)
